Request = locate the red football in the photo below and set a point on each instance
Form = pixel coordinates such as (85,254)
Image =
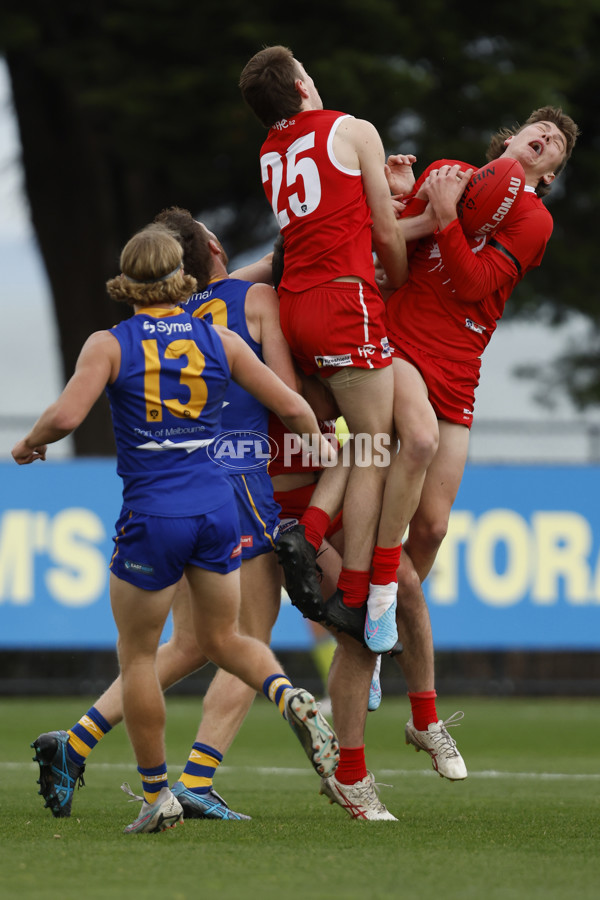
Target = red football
(491,196)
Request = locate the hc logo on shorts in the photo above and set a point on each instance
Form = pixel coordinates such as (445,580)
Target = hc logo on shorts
(366,350)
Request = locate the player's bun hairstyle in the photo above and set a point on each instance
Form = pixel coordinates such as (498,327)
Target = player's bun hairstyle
(193,239)
(553,114)
(152,272)
(268,85)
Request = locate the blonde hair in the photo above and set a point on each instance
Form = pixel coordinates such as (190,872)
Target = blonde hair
(151,270)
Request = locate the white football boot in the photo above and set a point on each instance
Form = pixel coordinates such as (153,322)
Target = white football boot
(436,741)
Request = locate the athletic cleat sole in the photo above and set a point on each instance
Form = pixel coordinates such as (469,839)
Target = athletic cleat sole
(313,731)
(298,560)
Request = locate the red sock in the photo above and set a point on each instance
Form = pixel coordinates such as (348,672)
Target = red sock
(352,766)
(316,522)
(355,586)
(385,564)
(422,704)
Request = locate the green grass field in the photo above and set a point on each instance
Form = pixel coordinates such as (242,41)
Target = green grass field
(525,824)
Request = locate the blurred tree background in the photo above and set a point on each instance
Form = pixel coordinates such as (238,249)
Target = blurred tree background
(127,106)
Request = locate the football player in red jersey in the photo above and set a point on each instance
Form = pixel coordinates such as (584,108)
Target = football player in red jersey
(439,323)
(323,173)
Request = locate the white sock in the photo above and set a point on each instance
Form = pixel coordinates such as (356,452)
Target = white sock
(381,597)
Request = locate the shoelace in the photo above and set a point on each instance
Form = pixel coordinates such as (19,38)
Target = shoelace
(64,771)
(364,790)
(443,738)
(317,566)
(125,787)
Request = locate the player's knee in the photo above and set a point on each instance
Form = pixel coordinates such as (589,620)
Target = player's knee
(220,648)
(419,448)
(178,659)
(437,532)
(183,643)
(429,535)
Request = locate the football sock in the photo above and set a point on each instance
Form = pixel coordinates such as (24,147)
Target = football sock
(422,704)
(385,564)
(352,765)
(84,736)
(381,597)
(354,585)
(200,768)
(316,522)
(275,689)
(153,781)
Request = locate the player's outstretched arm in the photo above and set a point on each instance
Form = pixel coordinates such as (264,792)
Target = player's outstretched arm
(98,363)
(259,271)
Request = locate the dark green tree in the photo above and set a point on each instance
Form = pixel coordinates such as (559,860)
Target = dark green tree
(127,106)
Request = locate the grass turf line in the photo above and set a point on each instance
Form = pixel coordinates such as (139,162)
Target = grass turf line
(514,829)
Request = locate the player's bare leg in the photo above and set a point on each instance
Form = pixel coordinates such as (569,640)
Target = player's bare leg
(414,628)
(425,730)
(140,617)
(429,524)
(228,699)
(216,602)
(365,399)
(349,682)
(331,487)
(176,658)
(417,428)
(352,665)
(367,407)
(63,755)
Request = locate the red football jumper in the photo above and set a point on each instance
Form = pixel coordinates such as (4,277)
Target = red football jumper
(326,225)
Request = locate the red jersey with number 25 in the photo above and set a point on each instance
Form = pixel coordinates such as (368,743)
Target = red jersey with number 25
(320,205)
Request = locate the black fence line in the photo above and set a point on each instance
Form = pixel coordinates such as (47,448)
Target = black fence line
(460,673)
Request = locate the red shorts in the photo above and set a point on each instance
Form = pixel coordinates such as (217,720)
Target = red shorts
(295,502)
(450,383)
(333,325)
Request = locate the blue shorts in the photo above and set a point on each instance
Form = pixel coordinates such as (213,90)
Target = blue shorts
(151,552)
(259,513)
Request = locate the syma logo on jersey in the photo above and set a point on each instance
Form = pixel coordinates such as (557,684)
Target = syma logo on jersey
(243,449)
(168,328)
